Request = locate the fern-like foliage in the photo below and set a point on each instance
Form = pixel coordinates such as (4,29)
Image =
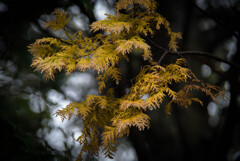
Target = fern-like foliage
(107,118)
(59,21)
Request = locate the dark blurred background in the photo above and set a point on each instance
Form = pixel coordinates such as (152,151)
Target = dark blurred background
(29,131)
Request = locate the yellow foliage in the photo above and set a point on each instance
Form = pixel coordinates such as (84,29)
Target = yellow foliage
(111,72)
(150,5)
(48,65)
(126,46)
(108,141)
(67,112)
(173,43)
(113,24)
(58,22)
(137,118)
(138,103)
(102,53)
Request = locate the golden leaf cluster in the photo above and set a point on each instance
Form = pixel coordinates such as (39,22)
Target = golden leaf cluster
(117,115)
(107,118)
(59,21)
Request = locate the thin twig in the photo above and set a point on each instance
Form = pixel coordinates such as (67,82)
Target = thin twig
(161,58)
(156,44)
(66,33)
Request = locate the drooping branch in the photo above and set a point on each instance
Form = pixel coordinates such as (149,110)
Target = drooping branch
(206,54)
(197,53)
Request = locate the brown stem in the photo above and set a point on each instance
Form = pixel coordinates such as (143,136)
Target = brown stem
(161,58)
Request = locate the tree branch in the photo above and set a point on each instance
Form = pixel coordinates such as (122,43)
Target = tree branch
(206,54)
(47,33)
(198,53)
(228,28)
(161,58)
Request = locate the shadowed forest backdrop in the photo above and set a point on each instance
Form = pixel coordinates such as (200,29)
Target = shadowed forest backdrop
(29,130)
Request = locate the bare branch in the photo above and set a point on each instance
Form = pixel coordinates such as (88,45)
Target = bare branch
(206,54)
(161,58)
(197,53)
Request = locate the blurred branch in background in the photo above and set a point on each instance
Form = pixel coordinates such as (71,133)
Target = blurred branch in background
(224,25)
